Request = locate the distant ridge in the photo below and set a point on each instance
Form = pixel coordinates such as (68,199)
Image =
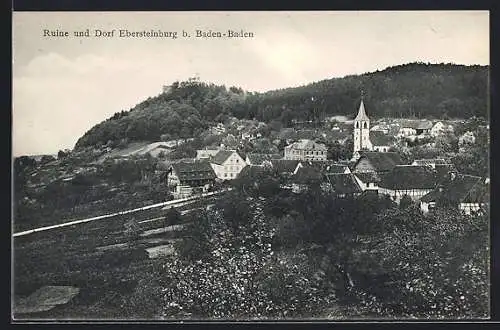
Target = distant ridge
(188,108)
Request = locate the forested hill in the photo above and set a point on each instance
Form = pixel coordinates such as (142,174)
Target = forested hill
(190,107)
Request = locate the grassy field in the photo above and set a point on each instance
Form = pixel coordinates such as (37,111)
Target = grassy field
(96,257)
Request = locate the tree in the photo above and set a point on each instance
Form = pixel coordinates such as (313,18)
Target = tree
(172,217)
(405,202)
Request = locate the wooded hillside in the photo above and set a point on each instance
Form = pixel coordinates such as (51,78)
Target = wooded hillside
(190,107)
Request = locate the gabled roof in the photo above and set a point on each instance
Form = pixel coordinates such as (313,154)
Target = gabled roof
(381,161)
(252,171)
(198,170)
(284,165)
(257,159)
(306,144)
(343,183)
(307,174)
(462,188)
(221,156)
(361,112)
(378,138)
(368,177)
(404,177)
(326,166)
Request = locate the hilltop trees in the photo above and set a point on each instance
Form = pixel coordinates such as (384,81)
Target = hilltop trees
(414,89)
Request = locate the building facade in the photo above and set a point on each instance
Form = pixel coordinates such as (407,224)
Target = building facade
(227,164)
(306,150)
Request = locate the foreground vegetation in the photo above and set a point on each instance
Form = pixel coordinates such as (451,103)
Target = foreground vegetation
(266,253)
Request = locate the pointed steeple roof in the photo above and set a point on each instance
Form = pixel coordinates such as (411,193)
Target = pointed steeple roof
(361,112)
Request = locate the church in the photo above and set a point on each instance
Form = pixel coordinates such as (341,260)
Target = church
(364,139)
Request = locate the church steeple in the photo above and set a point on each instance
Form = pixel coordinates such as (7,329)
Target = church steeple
(361,130)
(361,112)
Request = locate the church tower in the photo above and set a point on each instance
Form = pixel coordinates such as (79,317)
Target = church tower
(361,130)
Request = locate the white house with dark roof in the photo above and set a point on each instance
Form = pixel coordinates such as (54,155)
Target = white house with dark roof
(466,192)
(206,153)
(414,127)
(371,161)
(305,150)
(186,178)
(410,180)
(227,164)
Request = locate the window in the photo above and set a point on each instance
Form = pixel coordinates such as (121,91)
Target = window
(365,126)
(225,175)
(357,125)
(237,160)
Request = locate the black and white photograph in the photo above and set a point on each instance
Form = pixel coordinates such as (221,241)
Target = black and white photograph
(250,166)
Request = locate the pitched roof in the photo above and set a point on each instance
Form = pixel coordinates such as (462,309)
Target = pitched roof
(252,171)
(367,177)
(198,170)
(221,156)
(344,183)
(307,145)
(284,165)
(381,161)
(361,112)
(443,169)
(306,174)
(461,189)
(257,159)
(326,166)
(403,177)
(378,138)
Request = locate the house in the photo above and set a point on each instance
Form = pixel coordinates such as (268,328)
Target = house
(206,153)
(380,141)
(227,164)
(187,178)
(384,128)
(305,177)
(284,166)
(410,180)
(429,162)
(414,127)
(324,166)
(367,180)
(305,150)
(256,159)
(437,129)
(371,161)
(218,130)
(343,184)
(466,192)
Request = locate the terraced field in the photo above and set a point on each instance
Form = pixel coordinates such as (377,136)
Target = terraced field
(96,257)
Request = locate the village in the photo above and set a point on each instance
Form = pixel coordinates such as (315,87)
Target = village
(375,167)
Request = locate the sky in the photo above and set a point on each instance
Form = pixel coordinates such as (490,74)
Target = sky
(63,86)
